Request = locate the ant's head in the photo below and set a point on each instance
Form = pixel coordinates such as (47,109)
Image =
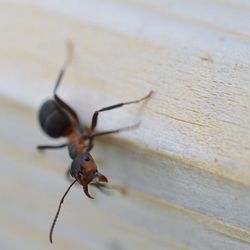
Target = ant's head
(83,168)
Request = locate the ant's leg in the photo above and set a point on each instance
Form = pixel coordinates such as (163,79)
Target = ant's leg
(67,108)
(59,78)
(44,147)
(64,67)
(106,188)
(98,185)
(115,130)
(102,187)
(92,136)
(95,116)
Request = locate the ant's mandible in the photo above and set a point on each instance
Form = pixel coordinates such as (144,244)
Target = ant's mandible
(58,119)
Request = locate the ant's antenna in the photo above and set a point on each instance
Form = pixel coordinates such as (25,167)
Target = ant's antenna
(58,210)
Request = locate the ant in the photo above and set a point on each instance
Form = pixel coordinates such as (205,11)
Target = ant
(58,119)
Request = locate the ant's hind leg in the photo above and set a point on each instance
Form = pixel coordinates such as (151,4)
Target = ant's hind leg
(67,108)
(58,81)
(95,115)
(64,67)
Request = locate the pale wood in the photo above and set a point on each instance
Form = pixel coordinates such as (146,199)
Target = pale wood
(191,151)
(157,211)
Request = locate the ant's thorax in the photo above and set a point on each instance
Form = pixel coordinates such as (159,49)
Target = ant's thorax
(76,143)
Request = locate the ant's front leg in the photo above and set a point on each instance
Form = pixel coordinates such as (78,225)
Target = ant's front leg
(105,188)
(100,186)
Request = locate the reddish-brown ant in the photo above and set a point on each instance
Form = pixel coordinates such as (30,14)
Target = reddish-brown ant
(58,119)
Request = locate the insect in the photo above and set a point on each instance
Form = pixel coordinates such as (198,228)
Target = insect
(58,119)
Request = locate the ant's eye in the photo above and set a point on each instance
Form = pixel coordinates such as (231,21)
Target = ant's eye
(87,158)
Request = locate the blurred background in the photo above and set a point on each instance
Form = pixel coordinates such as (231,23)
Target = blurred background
(179,181)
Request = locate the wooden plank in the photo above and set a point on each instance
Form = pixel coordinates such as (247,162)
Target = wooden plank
(186,168)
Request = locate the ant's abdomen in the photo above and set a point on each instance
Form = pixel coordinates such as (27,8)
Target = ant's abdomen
(54,120)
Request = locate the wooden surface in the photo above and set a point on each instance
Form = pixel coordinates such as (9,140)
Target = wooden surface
(186,169)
